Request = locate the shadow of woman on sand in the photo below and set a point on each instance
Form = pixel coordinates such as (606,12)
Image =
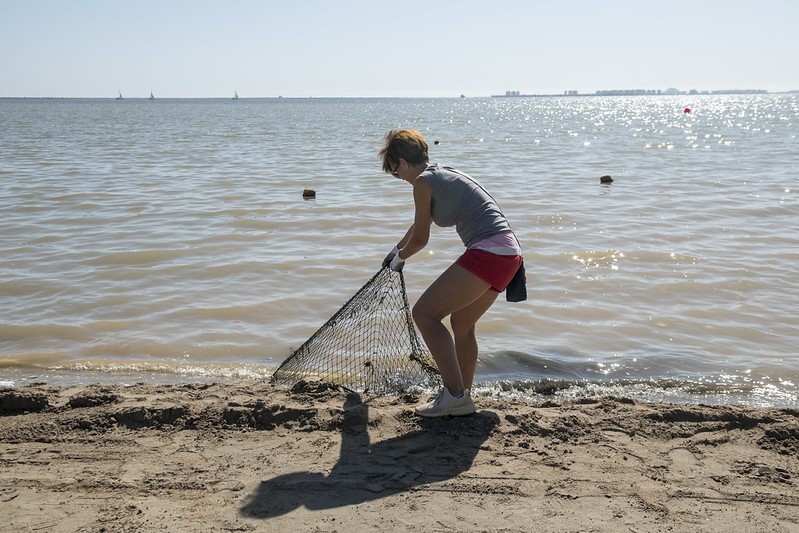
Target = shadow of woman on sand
(440,450)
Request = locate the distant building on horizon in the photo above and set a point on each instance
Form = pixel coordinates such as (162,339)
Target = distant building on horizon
(629,92)
(671,91)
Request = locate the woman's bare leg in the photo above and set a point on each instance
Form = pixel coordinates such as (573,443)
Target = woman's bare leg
(455,290)
(463,327)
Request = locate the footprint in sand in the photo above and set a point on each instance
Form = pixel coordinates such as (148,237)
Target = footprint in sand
(683,462)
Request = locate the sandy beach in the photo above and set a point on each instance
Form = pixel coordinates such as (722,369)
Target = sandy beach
(257,457)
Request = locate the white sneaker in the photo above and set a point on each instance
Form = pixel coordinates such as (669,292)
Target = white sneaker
(445,404)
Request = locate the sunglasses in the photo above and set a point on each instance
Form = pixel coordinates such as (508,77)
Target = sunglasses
(395,172)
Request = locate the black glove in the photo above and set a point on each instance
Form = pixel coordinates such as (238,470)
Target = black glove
(390,256)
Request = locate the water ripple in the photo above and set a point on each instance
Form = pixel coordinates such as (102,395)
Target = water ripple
(172,237)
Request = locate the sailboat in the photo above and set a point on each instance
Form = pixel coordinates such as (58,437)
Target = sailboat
(151,96)
(235,95)
(120,96)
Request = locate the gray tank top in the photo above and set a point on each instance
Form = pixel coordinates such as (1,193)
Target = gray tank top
(459,200)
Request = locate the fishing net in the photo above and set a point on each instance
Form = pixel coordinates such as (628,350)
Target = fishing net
(369,345)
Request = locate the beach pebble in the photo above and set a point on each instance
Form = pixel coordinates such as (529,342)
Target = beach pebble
(308,193)
(606,179)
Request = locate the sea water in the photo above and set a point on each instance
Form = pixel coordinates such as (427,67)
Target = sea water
(169,241)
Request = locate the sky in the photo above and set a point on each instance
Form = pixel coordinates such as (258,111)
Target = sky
(410,48)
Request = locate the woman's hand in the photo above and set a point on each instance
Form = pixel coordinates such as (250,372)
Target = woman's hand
(391,255)
(396,263)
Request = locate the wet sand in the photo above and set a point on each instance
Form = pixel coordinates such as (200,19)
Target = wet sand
(257,457)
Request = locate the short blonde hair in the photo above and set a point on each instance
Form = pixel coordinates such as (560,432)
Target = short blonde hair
(403,144)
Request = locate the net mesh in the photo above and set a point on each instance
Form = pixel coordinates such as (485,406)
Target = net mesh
(369,345)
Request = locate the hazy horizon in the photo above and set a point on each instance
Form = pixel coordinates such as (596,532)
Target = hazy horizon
(700,92)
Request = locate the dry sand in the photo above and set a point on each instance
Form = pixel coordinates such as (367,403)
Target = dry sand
(255,457)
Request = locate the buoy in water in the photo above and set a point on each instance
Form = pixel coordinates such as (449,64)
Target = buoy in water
(686,110)
(605,179)
(308,193)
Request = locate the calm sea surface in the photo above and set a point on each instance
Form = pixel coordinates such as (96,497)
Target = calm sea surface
(168,240)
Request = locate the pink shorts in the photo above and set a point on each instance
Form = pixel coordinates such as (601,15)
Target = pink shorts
(495,269)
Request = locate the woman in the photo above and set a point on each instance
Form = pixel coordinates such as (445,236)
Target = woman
(466,290)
